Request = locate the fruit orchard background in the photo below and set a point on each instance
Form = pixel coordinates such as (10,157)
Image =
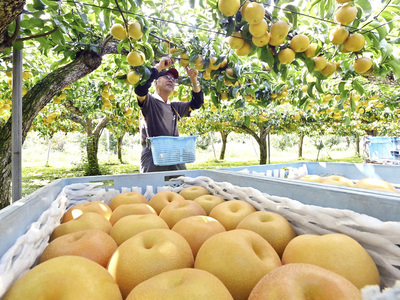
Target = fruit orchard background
(76,74)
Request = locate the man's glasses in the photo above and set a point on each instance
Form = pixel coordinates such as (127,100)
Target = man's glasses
(170,77)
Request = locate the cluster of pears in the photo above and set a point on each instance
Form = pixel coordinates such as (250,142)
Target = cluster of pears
(119,31)
(253,13)
(6,106)
(106,97)
(134,58)
(344,16)
(199,64)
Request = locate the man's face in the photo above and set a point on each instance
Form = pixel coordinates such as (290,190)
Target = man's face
(166,82)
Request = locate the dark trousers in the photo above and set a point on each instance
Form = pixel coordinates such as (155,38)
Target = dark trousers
(147,164)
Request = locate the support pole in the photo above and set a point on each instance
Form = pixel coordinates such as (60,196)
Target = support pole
(48,153)
(212,145)
(16,131)
(269,148)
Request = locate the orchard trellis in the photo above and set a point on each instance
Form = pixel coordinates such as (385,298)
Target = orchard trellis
(67,44)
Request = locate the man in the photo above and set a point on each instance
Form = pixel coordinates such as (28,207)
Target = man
(160,115)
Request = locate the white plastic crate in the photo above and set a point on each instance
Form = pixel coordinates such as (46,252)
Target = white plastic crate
(22,249)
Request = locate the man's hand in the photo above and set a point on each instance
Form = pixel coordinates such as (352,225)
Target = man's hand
(192,73)
(164,63)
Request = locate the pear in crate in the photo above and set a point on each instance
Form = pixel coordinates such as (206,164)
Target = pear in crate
(376,184)
(131,225)
(192,192)
(161,199)
(338,180)
(312,178)
(147,254)
(94,206)
(230,213)
(131,209)
(181,284)
(304,281)
(88,220)
(178,210)
(336,252)
(93,244)
(208,202)
(127,198)
(65,277)
(239,258)
(274,228)
(197,229)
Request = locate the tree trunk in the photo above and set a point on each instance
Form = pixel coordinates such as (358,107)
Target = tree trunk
(92,148)
(37,97)
(261,139)
(119,148)
(301,140)
(9,11)
(224,138)
(263,145)
(357,142)
(5,165)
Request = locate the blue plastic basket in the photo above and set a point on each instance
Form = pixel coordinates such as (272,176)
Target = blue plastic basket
(172,150)
(380,147)
(396,143)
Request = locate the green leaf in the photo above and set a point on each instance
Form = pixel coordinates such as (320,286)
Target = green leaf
(358,87)
(246,32)
(247,121)
(231,27)
(18,45)
(395,68)
(265,55)
(38,5)
(32,22)
(353,105)
(318,86)
(83,17)
(58,38)
(148,51)
(120,47)
(284,72)
(291,11)
(386,50)
(347,120)
(310,90)
(341,86)
(302,101)
(214,99)
(309,64)
(365,5)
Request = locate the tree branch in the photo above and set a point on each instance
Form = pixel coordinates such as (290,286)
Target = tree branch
(37,35)
(103,123)
(251,132)
(76,119)
(107,40)
(16,31)
(70,106)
